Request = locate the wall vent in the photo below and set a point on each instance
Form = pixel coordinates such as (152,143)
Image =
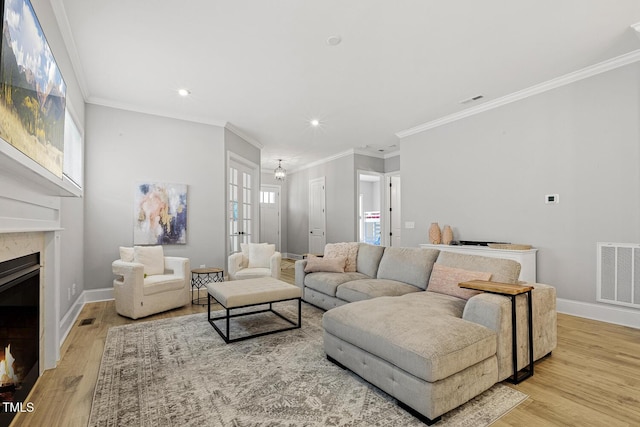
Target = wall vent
(619,274)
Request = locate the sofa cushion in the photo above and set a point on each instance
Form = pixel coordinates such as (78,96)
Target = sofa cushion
(502,270)
(126,254)
(445,280)
(408,265)
(327,283)
(358,290)
(331,265)
(386,328)
(152,257)
(369,259)
(348,250)
(162,283)
(260,255)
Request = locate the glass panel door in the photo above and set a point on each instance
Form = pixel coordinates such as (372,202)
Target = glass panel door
(240,199)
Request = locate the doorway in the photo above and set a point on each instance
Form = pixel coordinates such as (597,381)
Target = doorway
(270,215)
(241,203)
(370,208)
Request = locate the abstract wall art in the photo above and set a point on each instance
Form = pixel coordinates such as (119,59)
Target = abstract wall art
(160,214)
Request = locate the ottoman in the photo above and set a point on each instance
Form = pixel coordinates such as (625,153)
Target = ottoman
(248,293)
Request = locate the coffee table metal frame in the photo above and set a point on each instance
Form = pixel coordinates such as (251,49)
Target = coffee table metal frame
(228,316)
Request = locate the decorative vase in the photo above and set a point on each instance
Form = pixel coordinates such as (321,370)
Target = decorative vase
(434,234)
(447,235)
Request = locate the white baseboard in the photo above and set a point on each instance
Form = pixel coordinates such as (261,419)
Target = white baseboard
(602,312)
(69,319)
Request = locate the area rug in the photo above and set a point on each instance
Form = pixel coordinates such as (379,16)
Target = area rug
(179,372)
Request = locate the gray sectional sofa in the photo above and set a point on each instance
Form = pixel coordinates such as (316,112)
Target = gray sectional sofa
(430,350)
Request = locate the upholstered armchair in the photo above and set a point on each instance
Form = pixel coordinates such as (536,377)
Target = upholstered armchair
(147,282)
(255,260)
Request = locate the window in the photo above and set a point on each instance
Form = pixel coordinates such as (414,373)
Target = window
(73,163)
(268,197)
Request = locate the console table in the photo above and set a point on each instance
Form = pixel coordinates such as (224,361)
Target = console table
(526,258)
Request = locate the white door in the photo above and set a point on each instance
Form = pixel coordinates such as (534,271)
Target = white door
(241,206)
(394,211)
(270,215)
(317,219)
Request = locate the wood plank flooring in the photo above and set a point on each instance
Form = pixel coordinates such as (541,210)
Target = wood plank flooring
(592,378)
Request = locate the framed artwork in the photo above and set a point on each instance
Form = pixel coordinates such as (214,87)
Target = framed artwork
(160,214)
(32,91)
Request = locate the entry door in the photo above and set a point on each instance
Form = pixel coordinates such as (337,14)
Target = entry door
(317,219)
(394,210)
(240,204)
(270,215)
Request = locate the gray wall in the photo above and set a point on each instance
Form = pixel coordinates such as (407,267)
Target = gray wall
(123,148)
(392,164)
(487,176)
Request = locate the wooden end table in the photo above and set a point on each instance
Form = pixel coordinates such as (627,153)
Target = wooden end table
(511,291)
(200,277)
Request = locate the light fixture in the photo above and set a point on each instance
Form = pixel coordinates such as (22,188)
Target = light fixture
(184,92)
(315,122)
(279,173)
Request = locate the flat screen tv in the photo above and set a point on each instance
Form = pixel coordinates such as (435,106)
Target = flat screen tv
(32,90)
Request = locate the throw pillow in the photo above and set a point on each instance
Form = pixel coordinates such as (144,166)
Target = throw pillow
(444,280)
(152,257)
(244,247)
(330,265)
(260,255)
(126,254)
(348,250)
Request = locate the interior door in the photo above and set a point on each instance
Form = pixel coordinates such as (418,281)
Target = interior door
(317,218)
(270,215)
(240,204)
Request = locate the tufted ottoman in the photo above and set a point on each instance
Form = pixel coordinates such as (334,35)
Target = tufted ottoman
(430,369)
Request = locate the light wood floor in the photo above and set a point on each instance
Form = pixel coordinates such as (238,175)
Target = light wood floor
(592,378)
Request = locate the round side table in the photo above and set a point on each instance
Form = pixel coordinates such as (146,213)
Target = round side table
(200,277)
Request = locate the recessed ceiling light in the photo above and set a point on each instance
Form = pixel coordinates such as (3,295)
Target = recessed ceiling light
(184,92)
(334,40)
(315,122)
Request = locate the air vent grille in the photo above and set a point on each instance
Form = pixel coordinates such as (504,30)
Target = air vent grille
(618,278)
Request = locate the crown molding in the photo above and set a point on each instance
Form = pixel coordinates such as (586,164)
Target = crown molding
(229,126)
(593,70)
(128,107)
(324,160)
(60,14)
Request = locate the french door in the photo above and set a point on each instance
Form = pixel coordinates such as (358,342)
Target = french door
(241,214)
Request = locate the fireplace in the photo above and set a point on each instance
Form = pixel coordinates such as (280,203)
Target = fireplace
(19,331)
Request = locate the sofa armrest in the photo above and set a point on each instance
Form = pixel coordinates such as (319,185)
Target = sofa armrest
(494,312)
(128,284)
(235,264)
(300,265)
(274,264)
(180,267)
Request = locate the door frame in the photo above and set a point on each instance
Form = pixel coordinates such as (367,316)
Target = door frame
(387,200)
(383,204)
(255,202)
(278,189)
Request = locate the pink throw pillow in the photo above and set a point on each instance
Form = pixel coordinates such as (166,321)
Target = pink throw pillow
(348,250)
(444,280)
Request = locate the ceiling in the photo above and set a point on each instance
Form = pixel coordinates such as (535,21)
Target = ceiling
(266,66)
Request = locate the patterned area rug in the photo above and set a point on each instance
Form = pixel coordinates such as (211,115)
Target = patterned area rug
(179,372)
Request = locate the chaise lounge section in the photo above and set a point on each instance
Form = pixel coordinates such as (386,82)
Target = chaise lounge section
(431,346)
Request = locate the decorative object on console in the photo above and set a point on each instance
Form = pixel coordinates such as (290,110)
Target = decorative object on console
(435,237)
(280,173)
(160,214)
(447,235)
(32,90)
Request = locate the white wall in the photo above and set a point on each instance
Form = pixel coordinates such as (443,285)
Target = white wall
(123,148)
(487,176)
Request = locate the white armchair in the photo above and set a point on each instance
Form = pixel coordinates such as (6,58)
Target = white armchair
(255,260)
(147,282)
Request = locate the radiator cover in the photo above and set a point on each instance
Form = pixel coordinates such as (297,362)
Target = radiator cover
(618,278)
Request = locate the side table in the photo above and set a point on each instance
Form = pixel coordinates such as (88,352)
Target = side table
(510,291)
(200,277)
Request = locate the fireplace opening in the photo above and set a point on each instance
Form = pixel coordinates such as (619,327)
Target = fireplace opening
(19,331)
